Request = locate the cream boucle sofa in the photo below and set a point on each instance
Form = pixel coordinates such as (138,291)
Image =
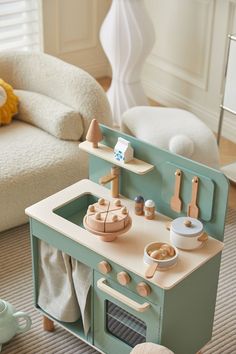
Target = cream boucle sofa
(39,152)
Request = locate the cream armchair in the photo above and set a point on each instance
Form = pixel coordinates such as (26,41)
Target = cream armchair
(39,149)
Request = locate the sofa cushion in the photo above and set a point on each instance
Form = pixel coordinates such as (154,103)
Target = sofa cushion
(50,115)
(34,165)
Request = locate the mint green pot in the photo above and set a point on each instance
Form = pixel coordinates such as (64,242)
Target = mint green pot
(9,325)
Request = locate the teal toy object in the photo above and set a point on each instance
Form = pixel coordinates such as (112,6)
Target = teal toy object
(9,322)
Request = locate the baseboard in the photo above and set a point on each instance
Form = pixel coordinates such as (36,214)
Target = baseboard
(97,69)
(172,99)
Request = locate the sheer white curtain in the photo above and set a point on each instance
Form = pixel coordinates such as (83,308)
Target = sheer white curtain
(19,25)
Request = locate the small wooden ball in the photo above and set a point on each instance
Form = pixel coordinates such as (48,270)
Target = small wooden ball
(114,218)
(164,253)
(98,216)
(169,249)
(124,210)
(91,208)
(101,201)
(157,254)
(117,202)
(153,254)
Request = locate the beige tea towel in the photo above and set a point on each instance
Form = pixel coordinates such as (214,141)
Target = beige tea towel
(56,289)
(82,277)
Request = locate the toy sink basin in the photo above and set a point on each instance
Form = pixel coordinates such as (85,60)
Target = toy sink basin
(75,210)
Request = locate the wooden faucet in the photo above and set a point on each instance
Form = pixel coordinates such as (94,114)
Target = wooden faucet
(113,177)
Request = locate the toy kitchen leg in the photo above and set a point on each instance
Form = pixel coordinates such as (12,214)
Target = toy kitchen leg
(48,325)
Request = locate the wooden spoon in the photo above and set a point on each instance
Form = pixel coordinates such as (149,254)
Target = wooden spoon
(176,202)
(193,209)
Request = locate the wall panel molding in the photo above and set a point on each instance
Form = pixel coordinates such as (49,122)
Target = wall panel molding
(71,32)
(77,25)
(194,73)
(195,85)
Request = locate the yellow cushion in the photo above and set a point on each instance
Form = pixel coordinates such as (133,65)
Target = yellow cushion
(8,103)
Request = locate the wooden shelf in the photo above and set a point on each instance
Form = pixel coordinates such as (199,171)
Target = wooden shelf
(106,153)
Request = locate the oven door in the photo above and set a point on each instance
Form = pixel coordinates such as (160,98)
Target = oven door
(122,319)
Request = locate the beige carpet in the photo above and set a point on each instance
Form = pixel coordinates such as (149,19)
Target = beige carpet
(16,287)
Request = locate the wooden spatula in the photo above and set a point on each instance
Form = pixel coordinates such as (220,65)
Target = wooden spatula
(193,209)
(176,202)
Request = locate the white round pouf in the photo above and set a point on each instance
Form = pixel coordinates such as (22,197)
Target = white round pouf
(150,348)
(173,129)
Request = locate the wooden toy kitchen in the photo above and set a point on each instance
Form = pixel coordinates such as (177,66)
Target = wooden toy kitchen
(149,276)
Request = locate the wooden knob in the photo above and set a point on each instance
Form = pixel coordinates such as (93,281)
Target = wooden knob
(123,278)
(143,289)
(104,267)
(187,223)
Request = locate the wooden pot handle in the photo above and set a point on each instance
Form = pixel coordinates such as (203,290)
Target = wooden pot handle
(151,270)
(203,237)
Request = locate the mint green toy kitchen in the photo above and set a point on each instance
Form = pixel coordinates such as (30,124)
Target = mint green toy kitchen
(118,306)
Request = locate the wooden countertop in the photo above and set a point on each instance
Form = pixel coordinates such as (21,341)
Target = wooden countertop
(127,249)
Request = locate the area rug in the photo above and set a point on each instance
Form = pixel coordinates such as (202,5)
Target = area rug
(16,287)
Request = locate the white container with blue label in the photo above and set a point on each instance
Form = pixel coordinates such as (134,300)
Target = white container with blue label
(123,151)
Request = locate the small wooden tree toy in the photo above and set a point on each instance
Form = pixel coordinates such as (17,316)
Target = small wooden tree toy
(94,134)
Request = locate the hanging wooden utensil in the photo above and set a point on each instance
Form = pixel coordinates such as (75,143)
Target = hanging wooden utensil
(193,209)
(176,202)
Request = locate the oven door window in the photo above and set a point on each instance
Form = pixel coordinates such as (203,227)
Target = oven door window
(118,323)
(124,325)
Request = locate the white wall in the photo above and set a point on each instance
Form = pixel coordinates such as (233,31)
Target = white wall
(186,66)
(71,32)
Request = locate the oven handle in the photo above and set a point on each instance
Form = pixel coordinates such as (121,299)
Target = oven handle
(122,298)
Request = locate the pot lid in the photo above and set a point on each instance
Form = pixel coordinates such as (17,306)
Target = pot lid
(187,226)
